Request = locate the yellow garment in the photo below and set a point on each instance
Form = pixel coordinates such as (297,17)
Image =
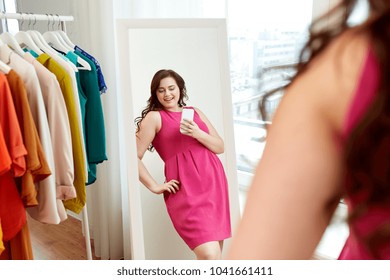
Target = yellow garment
(76,204)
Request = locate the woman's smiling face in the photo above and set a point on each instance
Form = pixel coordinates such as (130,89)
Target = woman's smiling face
(168,94)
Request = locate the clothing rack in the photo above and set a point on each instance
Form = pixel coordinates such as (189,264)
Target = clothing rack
(38,17)
(61,21)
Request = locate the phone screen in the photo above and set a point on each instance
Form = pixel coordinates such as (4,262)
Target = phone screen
(187,114)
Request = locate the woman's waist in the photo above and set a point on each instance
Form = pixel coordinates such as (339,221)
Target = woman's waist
(191,150)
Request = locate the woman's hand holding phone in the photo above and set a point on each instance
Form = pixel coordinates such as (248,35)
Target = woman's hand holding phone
(187,116)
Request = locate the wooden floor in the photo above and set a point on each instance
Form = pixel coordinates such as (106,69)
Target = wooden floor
(58,242)
(64,241)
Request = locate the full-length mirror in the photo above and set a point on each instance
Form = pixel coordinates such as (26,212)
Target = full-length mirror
(197,50)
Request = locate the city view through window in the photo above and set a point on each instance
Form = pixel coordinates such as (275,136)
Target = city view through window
(264,43)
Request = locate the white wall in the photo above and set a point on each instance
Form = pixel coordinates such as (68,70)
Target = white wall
(76,30)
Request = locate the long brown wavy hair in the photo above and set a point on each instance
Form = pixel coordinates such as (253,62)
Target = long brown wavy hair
(153,104)
(367,150)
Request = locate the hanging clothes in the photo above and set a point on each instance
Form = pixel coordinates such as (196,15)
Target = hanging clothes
(72,71)
(61,125)
(94,119)
(61,140)
(15,242)
(12,212)
(82,98)
(49,210)
(57,117)
(79,100)
(5,159)
(9,124)
(37,167)
(99,72)
(90,83)
(65,82)
(5,165)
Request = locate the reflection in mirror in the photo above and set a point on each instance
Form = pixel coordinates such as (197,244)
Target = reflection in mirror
(197,51)
(195,187)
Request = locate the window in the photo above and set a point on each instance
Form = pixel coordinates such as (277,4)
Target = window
(10,25)
(265,38)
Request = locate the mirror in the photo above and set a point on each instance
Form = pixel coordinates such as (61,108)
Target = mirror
(197,50)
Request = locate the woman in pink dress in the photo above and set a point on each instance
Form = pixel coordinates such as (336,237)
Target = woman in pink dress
(329,139)
(195,190)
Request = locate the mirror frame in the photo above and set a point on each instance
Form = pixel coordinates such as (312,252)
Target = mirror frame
(131,199)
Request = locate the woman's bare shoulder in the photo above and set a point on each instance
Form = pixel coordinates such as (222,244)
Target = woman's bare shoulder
(153,115)
(331,79)
(152,120)
(350,48)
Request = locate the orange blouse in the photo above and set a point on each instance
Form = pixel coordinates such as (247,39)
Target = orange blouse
(37,168)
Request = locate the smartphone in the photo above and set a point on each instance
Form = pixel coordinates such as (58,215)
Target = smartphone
(188,114)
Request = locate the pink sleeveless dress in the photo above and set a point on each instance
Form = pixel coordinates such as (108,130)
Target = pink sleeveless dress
(375,216)
(200,209)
